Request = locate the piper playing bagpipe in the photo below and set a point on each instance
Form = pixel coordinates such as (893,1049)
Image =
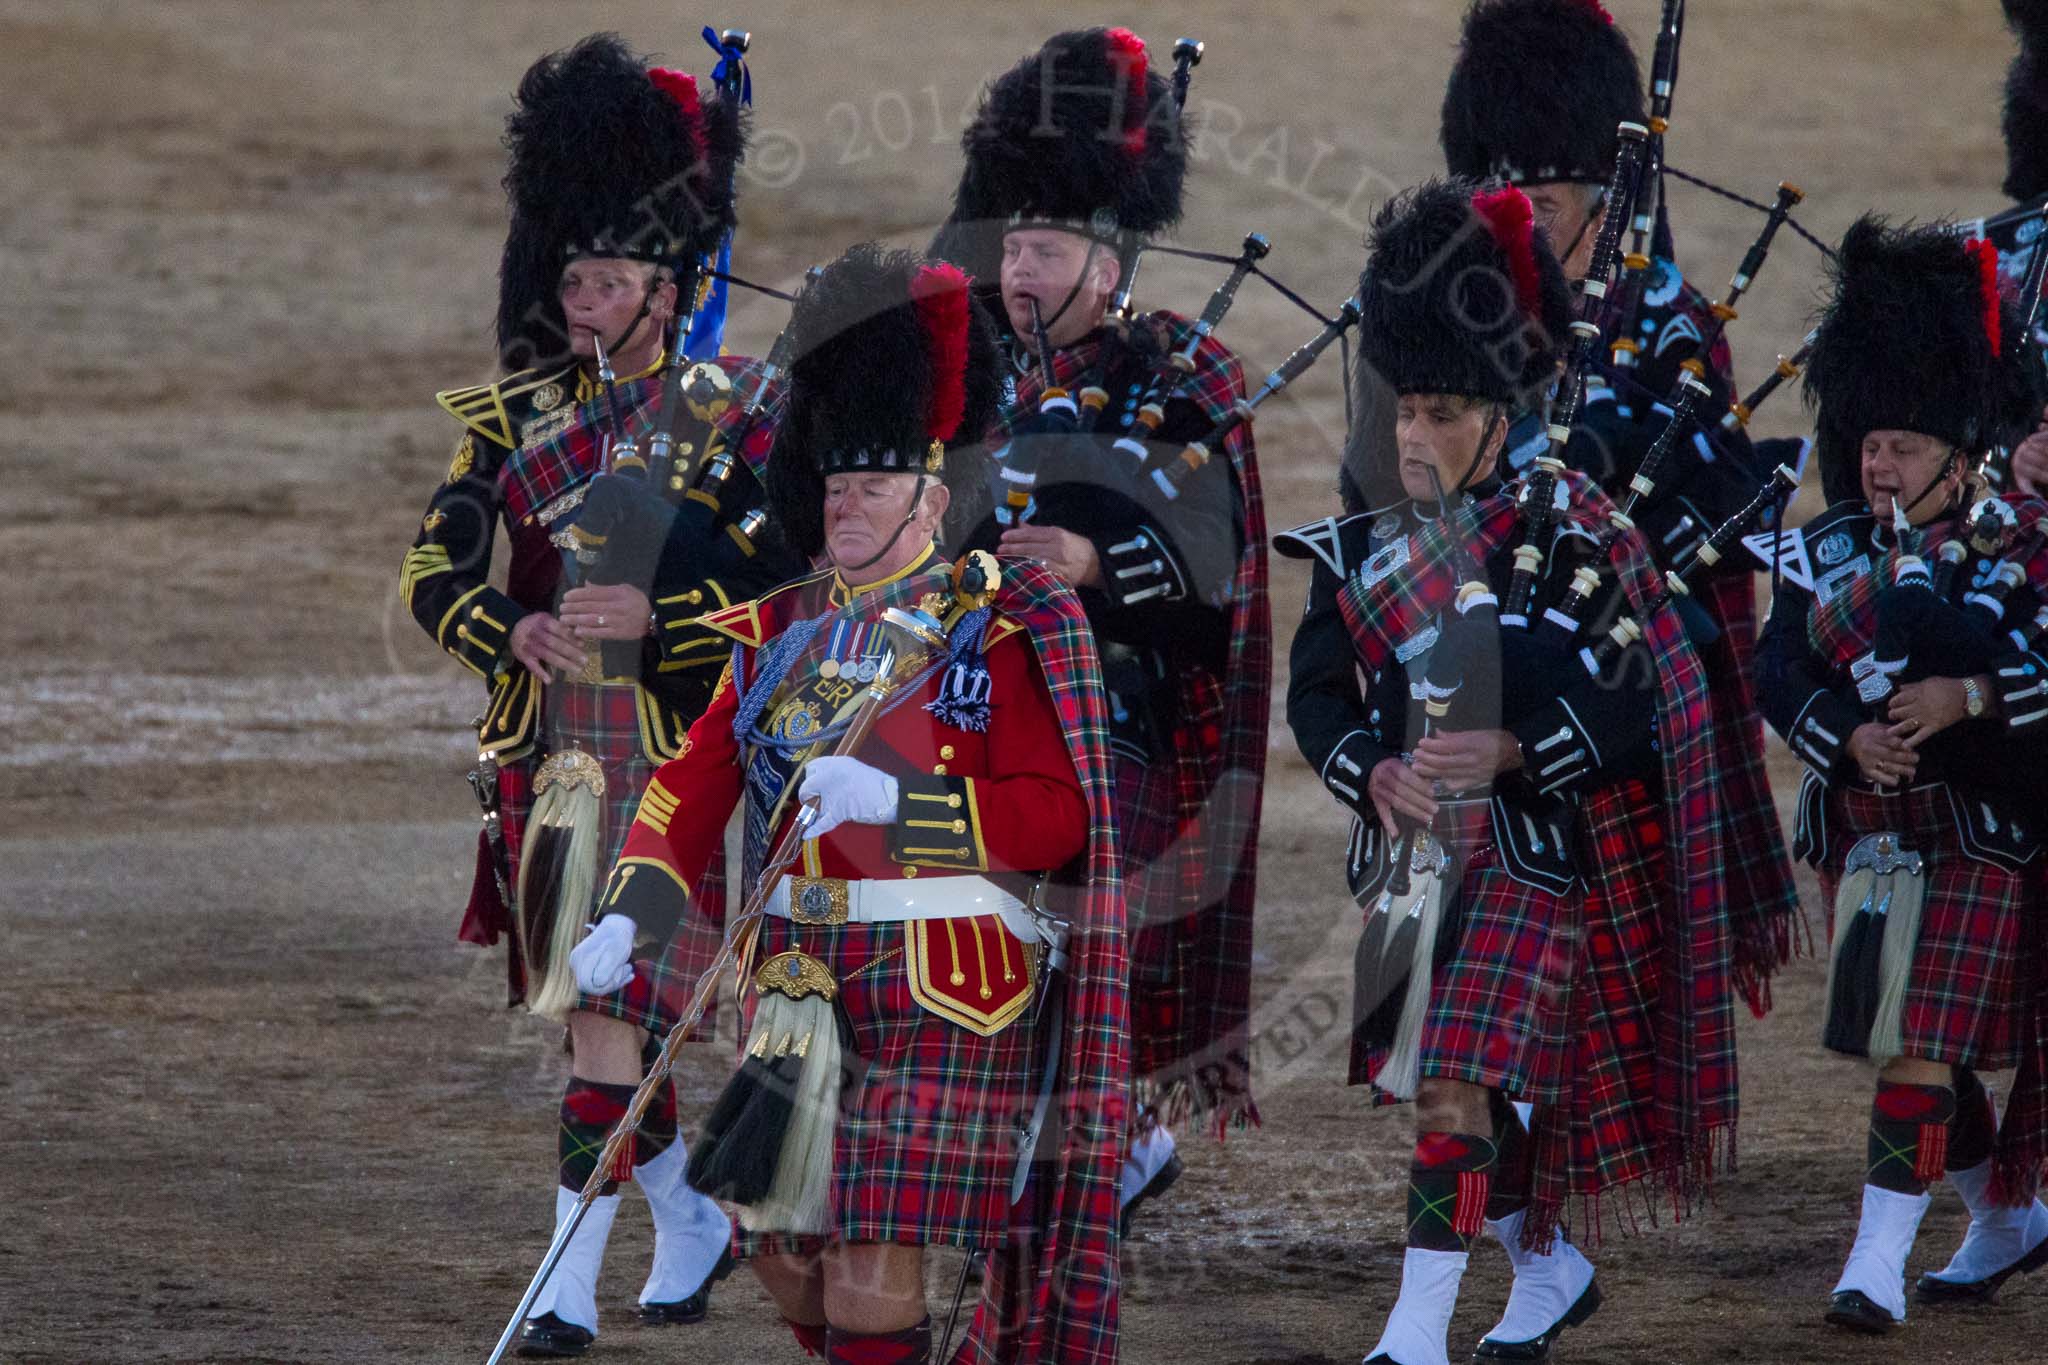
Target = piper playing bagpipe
(1561,933)
(1534,98)
(1888,666)
(621,185)
(1074,161)
(901,1027)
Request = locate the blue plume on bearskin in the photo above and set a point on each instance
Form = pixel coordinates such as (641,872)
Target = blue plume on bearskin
(608,157)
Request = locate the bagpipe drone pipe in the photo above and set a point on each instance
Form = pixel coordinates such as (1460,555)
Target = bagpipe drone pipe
(1683,535)
(691,504)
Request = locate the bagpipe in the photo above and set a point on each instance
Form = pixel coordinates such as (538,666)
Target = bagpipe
(1146,470)
(1949,617)
(1692,549)
(1952,617)
(1187,55)
(630,507)
(1415,910)
(1650,225)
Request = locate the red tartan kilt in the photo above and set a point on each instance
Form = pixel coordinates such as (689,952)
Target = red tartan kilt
(1758,868)
(1497,1005)
(1971,977)
(1615,1135)
(927,1138)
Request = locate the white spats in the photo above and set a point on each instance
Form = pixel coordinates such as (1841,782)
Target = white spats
(690,1231)
(1997,1237)
(1884,1237)
(571,1292)
(1418,1330)
(1150,1151)
(1546,1286)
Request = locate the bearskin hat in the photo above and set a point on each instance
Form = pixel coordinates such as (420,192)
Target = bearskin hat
(609,157)
(1081,134)
(1537,91)
(895,369)
(1914,337)
(2026,101)
(1461,294)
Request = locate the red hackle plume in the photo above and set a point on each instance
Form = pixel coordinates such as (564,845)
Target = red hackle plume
(1601,10)
(681,87)
(1512,222)
(1986,256)
(1127,52)
(940,295)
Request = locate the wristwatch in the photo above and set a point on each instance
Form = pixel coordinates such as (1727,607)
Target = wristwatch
(1973,699)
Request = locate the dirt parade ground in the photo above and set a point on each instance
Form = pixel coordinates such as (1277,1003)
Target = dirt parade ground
(259,1104)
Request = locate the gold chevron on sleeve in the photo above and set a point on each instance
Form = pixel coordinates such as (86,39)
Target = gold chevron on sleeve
(421,563)
(657,807)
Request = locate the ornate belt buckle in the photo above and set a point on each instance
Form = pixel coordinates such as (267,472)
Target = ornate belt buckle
(818,900)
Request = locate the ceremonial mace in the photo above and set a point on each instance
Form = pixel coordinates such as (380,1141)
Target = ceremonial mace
(904,633)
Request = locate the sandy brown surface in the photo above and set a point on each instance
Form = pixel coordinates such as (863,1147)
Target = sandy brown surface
(259,1106)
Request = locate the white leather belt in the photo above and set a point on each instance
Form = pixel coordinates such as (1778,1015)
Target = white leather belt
(832,900)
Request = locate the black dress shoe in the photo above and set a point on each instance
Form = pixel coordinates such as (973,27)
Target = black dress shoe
(1161,1181)
(1537,1348)
(693,1306)
(1928,1289)
(1849,1308)
(547,1336)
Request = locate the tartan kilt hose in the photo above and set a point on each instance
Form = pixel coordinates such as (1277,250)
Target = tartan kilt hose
(603,720)
(930,1113)
(1498,1008)
(1977,964)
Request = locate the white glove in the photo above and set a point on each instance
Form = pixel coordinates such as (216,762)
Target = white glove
(603,961)
(847,789)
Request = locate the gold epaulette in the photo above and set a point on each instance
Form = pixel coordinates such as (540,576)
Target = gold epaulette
(482,407)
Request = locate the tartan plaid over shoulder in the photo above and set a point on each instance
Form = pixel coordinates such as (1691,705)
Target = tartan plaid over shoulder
(1695,1069)
(1052,1296)
(538,474)
(1192,1052)
(1844,627)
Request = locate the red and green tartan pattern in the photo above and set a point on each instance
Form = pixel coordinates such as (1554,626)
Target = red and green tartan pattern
(1061,1308)
(2021,1147)
(1496,1011)
(604,722)
(1843,628)
(1059,1302)
(1659,847)
(1198,883)
(1978,965)
(927,1132)
(536,475)
(1766,926)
